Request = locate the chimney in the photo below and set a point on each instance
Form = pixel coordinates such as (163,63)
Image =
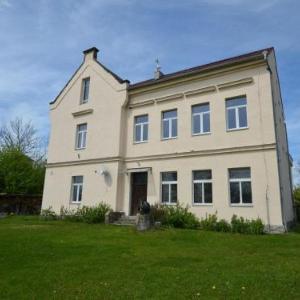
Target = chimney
(158,73)
(90,53)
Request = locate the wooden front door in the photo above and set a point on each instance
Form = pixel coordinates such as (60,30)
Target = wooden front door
(138,191)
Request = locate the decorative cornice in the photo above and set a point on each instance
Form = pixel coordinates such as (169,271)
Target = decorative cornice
(235,83)
(208,152)
(170,97)
(84,162)
(187,154)
(201,91)
(143,103)
(82,112)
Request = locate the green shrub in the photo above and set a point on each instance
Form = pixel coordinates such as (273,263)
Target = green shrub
(209,223)
(48,214)
(174,216)
(223,226)
(241,225)
(158,213)
(86,214)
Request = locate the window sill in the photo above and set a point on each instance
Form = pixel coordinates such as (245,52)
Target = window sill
(202,204)
(241,205)
(141,142)
(170,138)
(78,149)
(78,203)
(169,204)
(237,129)
(204,133)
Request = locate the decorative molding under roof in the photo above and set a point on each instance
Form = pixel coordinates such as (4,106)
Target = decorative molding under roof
(143,103)
(82,112)
(201,91)
(170,97)
(235,83)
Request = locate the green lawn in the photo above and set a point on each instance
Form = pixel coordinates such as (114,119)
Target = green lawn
(62,260)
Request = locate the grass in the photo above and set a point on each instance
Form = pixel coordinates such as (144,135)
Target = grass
(62,260)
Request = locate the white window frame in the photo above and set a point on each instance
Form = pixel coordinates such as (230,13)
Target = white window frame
(169,184)
(83,133)
(170,121)
(237,116)
(141,124)
(78,185)
(240,180)
(84,100)
(201,114)
(202,181)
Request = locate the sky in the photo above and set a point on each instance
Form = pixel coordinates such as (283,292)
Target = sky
(42,43)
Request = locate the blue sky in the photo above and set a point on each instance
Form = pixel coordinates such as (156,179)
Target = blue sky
(42,42)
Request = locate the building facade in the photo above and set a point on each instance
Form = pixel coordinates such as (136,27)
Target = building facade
(211,137)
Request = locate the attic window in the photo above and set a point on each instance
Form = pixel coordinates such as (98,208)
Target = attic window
(85,90)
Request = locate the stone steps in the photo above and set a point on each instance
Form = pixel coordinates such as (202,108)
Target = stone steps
(126,221)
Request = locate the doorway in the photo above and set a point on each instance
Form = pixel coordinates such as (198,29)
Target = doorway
(138,191)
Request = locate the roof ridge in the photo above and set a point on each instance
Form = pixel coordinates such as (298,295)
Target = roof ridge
(197,68)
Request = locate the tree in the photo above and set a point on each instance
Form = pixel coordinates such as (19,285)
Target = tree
(21,136)
(19,174)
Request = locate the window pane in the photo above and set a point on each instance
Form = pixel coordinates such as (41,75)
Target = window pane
(86,88)
(239,173)
(197,192)
(236,102)
(80,193)
(243,116)
(74,195)
(234,192)
(246,192)
(196,124)
(231,119)
(174,128)
(206,123)
(83,139)
(77,179)
(138,130)
(200,108)
(169,176)
(170,114)
(145,132)
(82,127)
(208,192)
(141,119)
(205,174)
(165,193)
(173,193)
(165,128)
(79,140)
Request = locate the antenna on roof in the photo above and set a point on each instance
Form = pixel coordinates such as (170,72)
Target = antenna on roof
(158,74)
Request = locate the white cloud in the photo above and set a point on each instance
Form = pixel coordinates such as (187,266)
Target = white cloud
(4,4)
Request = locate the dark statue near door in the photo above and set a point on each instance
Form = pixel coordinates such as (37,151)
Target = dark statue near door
(145,208)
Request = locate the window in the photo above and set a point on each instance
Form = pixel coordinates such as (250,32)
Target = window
(200,119)
(77,182)
(141,129)
(202,187)
(236,113)
(85,90)
(81,136)
(169,187)
(240,186)
(169,124)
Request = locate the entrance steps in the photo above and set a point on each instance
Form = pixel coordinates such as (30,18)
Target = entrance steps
(126,221)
